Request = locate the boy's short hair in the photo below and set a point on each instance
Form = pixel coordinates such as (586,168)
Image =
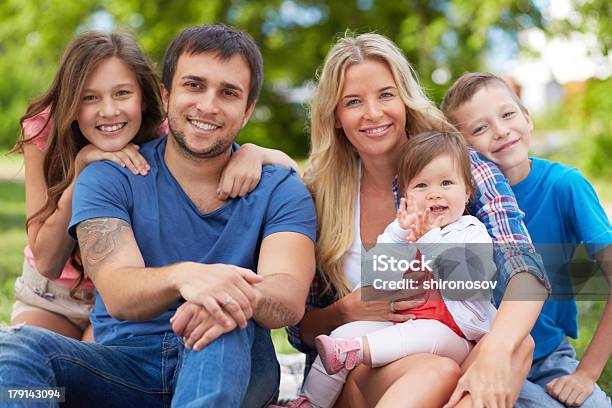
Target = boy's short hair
(421,149)
(466,87)
(223,40)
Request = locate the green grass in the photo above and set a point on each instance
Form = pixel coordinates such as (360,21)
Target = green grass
(13,240)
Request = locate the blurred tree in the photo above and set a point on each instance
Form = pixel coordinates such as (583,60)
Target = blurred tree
(443,36)
(596,17)
(590,110)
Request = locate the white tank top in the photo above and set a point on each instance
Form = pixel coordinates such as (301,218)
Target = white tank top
(351,262)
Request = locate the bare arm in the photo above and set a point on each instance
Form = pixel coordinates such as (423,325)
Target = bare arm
(518,311)
(598,352)
(132,291)
(487,377)
(287,264)
(243,171)
(49,240)
(114,263)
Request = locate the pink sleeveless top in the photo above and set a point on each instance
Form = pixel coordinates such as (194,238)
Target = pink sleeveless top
(31,127)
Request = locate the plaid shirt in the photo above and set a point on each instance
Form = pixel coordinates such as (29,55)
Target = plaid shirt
(495,206)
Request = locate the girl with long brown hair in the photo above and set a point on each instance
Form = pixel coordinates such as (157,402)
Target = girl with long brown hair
(102,104)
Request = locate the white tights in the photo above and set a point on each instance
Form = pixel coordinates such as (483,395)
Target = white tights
(388,342)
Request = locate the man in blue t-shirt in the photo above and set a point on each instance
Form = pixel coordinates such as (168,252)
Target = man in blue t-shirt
(188,285)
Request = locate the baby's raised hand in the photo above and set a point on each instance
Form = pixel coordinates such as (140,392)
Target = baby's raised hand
(423,225)
(416,222)
(406,213)
(407,216)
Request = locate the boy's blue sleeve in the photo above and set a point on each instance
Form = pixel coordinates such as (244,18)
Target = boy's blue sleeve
(101,191)
(589,220)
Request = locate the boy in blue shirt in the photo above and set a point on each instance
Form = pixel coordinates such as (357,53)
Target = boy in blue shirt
(561,208)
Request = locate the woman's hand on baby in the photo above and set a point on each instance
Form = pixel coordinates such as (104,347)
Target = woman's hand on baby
(128,157)
(241,173)
(416,222)
(353,308)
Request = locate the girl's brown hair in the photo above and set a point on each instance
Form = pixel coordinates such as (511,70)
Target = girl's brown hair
(81,57)
(421,149)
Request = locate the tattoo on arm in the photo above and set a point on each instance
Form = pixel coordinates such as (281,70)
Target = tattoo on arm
(97,240)
(276,310)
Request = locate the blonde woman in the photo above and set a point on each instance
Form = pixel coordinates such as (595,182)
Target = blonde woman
(367,104)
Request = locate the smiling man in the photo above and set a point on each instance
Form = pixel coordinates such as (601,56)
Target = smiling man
(165,253)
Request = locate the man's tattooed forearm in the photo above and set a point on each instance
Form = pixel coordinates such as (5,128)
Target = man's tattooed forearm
(97,240)
(277,311)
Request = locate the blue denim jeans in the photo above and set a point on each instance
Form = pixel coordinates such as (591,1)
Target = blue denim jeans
(560,362)
(238,369)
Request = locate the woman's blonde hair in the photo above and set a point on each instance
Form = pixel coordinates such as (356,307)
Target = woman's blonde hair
(332,168)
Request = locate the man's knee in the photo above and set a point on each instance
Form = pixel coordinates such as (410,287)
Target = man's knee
(7,331)
(13,339)
(19,347)
(33,342)
(230,345)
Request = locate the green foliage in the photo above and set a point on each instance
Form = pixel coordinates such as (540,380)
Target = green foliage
(595,109)
(591,110)
(584,116)
(294,36)
(596,16)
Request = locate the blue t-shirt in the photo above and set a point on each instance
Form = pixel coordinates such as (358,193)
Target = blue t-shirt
(561,208)
(169,228)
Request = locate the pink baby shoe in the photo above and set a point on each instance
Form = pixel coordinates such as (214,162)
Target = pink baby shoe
(337,354)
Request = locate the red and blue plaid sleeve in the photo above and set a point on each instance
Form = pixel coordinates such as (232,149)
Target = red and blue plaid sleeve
(495,206)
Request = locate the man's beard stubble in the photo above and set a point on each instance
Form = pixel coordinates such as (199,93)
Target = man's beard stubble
(220,146)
